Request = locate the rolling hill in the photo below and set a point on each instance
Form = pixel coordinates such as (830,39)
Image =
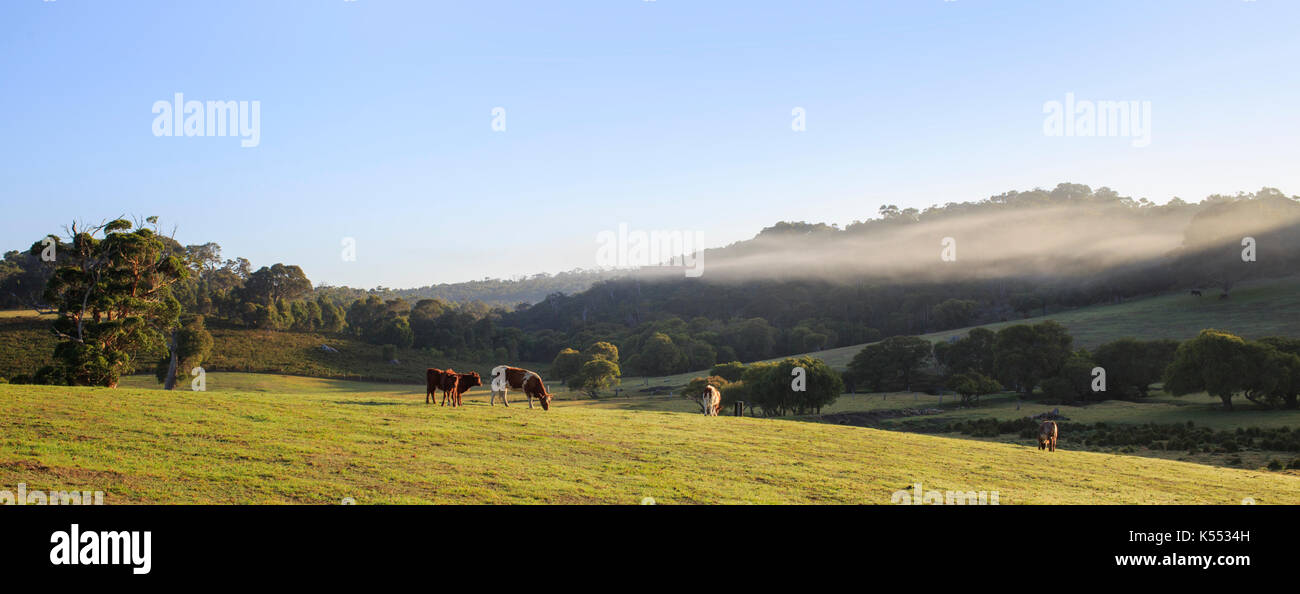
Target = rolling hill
(1256,309)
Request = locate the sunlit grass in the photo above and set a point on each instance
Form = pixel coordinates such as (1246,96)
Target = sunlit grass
(314,443)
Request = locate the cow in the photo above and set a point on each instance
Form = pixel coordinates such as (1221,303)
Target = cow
(1047,436)
(1196,292)
(711,399)
(465,382)
(433,382)
(504,378)
(450,379)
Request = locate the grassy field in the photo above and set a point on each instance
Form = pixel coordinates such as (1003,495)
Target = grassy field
(319,441)
(280,437)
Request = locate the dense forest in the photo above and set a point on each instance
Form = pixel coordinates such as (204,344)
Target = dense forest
(795,287)
(801,287)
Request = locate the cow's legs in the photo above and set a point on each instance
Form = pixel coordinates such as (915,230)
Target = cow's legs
(503,397)
(492,400)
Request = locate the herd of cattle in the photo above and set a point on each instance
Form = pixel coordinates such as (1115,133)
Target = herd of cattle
(505,378)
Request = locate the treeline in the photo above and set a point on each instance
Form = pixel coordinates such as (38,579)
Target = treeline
(470,331)
(796,385)
(509,294)
(1037,361)
(1040,360)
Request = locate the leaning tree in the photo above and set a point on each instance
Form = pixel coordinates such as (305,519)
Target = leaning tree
(112,290)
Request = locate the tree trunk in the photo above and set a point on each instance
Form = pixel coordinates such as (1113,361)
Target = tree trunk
(1227,401)
(170,382)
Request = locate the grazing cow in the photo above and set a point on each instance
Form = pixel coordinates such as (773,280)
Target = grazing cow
(1196,292)
(711,399)
(1047,436)
(433,383)
(448,386)
(464,382)
(504,378)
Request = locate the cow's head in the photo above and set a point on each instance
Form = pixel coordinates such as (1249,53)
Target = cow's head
(471,379)
(545,399)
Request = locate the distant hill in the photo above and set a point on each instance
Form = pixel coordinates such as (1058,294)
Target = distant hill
(494,292)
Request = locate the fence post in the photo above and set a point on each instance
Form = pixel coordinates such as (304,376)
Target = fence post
(740,409)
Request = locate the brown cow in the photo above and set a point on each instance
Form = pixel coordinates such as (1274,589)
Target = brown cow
(433,382)
(1047,436)
(711,399)
(504,378)
(448,386)
(464,382)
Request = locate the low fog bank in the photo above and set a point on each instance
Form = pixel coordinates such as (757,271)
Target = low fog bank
(1079,236)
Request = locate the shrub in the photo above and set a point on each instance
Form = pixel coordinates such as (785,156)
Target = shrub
(1274,464)
(770,386)
(48,376)
(728,371)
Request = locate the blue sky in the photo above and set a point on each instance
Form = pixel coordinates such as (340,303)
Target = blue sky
(665,115)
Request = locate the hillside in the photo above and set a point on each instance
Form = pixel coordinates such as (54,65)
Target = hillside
(379,445)
(1256,309)
(26,344)
(495,292)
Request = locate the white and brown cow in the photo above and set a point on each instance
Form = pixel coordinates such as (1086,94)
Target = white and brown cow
(711,400)
(505,378)
(1047,436)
